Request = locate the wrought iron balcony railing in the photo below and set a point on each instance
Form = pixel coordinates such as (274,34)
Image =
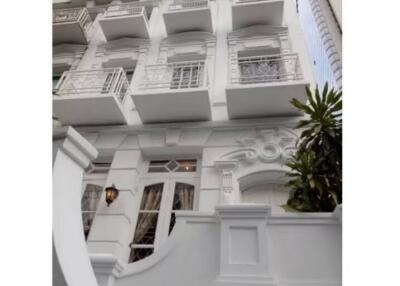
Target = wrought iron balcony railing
(111,81)
(180,75)
(265,69)
(70,15)
(125,10)
(188,4)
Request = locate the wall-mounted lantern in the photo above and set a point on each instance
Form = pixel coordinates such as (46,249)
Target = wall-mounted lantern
(111,194)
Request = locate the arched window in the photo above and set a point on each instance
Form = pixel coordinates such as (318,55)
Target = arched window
(272,194)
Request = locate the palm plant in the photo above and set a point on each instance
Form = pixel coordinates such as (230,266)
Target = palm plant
(316,168)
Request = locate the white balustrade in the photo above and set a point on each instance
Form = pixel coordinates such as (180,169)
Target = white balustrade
(79,15)
(180,75)
(104,81)
(124,10)
(188,4)
(264,69)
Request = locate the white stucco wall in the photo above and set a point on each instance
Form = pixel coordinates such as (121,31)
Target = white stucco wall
(301,250)
(218,63)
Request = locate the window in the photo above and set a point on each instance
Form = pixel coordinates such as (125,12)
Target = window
(166,166)
(129,75)
(145,233)
(272,194)
(168,188)
(259,69)
(183,200)
(93,184)
(187,75)
(99,168)
(89,203)
(109,77)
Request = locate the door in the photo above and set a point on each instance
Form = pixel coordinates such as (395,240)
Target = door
(161,199)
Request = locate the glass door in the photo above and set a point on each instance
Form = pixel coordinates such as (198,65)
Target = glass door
(161,200)
(148,219)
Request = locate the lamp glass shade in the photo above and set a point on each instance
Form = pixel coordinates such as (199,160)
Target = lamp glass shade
(111,194)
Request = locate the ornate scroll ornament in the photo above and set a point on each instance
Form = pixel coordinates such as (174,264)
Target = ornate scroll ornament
(268,146)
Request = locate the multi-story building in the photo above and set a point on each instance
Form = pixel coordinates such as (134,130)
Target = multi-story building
(321,21)
(183,106)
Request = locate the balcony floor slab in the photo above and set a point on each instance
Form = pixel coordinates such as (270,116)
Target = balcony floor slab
(264,99)
(72,33)
(189,20)
(269,12)
(173,106)
(135,26)
(88,110)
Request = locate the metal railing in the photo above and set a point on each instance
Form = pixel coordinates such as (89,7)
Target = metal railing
(110,81)
(180,75)
(264,69)
(124,10)
(188,4)
(79,15)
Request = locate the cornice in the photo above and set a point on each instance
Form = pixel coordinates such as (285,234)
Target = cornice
(260,123)
(75,145)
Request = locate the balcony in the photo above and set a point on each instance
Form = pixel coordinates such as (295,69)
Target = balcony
(71,26)
(262,86)
(188,15)
(256,12)
(125,20)
(92,97)
(174,92)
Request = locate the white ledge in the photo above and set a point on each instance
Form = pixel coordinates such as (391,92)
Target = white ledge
(75,145)
(246,211)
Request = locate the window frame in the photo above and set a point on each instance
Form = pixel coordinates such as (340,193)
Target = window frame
(164,214)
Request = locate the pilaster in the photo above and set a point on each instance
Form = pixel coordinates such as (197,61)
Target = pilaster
(243,245)
(113,226)
(229,185)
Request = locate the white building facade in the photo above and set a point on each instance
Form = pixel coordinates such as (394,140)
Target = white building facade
(184,106)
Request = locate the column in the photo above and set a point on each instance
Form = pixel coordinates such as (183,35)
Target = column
(243,245)
(113,226)
(71,155)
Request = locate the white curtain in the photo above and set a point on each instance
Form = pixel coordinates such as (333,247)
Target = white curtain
(183,198)
(150,202)
(89,202)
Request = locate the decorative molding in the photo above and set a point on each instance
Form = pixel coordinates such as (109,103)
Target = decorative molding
(226,169)
(304,219)
(172,137)
(328,42)
(257,30)
(75,146)
(186,37)
(243,211)
(268,146)
(106,264)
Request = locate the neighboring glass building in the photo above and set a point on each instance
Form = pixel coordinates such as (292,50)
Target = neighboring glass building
(322,32)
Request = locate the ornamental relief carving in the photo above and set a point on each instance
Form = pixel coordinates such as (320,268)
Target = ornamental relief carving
(268,146)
